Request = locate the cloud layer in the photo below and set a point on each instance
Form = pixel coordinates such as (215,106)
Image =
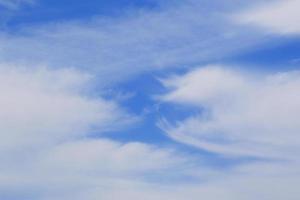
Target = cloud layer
(170,36)
(54,123)
(281,16)
(41,105)
(47,151)
(241,113)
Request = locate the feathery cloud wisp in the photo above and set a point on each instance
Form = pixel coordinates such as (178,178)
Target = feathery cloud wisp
(281,16)
(14,4)
(242,114)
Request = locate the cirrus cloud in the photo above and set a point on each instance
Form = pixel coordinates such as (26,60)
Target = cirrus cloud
(280,16)
(242,113)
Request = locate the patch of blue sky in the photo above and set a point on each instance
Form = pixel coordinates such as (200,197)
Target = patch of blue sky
(45,11)
(140,102)
(281,53)
(144,103)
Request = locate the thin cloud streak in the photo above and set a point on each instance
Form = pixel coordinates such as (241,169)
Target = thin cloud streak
(242,114)
(276,17)
(172,36)
(15,4)
(54,123)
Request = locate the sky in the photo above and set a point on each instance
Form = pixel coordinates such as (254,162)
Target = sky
(149,99)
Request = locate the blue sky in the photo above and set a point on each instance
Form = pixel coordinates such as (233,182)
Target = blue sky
(49,11)
(149,99)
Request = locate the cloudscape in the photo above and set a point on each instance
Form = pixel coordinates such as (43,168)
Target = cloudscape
(149,99)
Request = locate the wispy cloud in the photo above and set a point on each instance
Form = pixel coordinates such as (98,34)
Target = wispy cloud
(175,35)
(46,150)
(54,121)
(281,16)
(92,168)
(14,4)
(47,106)
(242,114)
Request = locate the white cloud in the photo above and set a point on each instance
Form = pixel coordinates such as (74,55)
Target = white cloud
(42,105)
(174,35)
(77,169)
(110,158)
(45,106)
(46,113)
(280,16)
(47,153)
(242,113)
(104,169)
